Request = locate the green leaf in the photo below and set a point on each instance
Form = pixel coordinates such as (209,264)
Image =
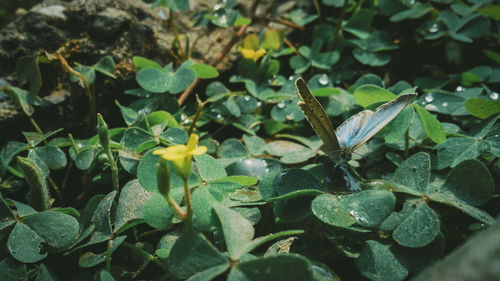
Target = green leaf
(23,98)
(28,72)
(106,276)
(241,180)
(276,268)
(378,262)
(130,204)
(56,229)
(204,197)
(209,168)
(232,148)
(471,182)
(432,127)
(369,94)
(141,63)
(295,180)
(482,108)
(154,80)
(192,253)
(254,144)
(106,66)
(181,79)
(146,171)
(237,230)
(102,219)
(492,55)
(450,199)
(456,150)
(85,157)
(44,274)
(53,156)
(366,208)
(420,225)
(156,212)
(204,71)
(25,245)
(11,270)
(414,172)
(254,167)
(491,10)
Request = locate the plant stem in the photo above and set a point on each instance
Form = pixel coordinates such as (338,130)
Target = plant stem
(177,209)
(35,125)
(199,108)
(318,9)
(109,251)
(114,168)
(339,24)
(147,255)
(187,197)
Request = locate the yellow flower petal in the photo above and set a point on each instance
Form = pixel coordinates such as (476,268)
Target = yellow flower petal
(193,142)
(247,53)
(199,150)
(159,151)
(175,152)
(259,53)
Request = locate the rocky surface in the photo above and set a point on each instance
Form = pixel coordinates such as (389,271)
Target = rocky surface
(89,30)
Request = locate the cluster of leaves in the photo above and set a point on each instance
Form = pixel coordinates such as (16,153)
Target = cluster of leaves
(267,203)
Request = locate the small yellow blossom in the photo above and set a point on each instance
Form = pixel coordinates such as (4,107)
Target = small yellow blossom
(181,155)
(252,54)
(250,48)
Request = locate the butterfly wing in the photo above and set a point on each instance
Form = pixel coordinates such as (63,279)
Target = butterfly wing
(316,116)
(361,127)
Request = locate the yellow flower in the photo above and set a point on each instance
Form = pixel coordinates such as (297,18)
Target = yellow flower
(250,48)
(252,54)
(181,155)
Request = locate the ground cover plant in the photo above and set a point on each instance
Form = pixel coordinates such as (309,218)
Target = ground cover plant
(237,174)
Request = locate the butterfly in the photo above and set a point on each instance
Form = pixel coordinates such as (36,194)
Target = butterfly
(355,131)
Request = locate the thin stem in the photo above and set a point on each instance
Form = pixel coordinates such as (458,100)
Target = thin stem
(73,143)
(86,86)
(114,168)
(197,114)
(35,125)
(187,197)
(317,7)
(339,24)
(147,255)
(109,251)
(177,209)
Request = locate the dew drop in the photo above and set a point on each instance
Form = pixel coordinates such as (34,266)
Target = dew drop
(445,104)
(281,105)
(246,98)
(259,103)
(494,96)
(323,80)
(291,78)
(289,116)
(218,116)
(431,107)
(429,98)
(434,28)
(223,19)
(217,6)
(460,89)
